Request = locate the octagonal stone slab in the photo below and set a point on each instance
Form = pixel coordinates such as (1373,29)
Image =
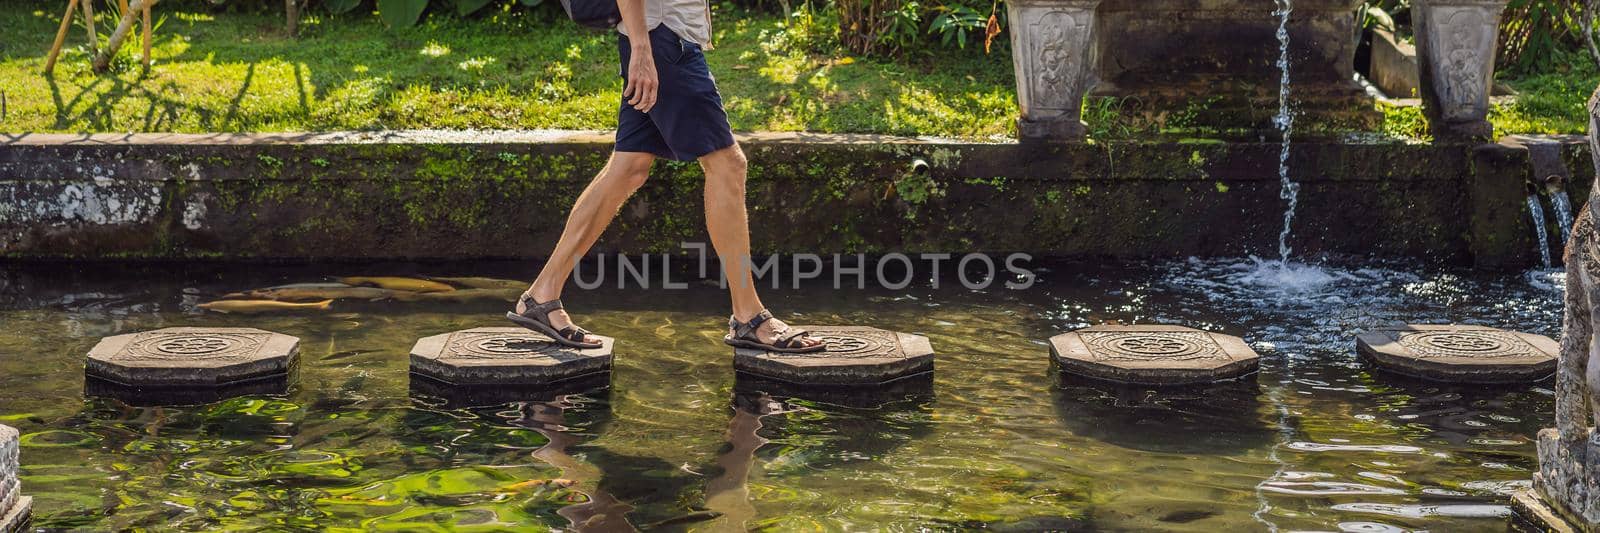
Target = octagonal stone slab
(855,355)
(505,356)
(1457,353)
(205,357)
(1152,354)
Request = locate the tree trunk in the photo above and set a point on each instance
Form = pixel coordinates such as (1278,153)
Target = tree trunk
(292,9)
(102,60)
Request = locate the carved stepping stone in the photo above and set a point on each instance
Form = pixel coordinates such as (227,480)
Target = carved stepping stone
(1468,354)
(1152,355)
(854,356)
(192,357)
(14,507)
(505,356)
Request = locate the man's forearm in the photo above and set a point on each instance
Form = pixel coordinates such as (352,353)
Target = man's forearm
(633,22)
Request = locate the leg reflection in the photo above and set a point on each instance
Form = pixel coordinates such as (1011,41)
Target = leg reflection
(729,493)
(602,512)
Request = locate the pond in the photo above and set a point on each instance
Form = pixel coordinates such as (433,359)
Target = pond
(1315,441)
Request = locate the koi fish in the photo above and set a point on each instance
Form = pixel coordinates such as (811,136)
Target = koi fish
(482,283)
(397,283)
(263,306)
(322,293)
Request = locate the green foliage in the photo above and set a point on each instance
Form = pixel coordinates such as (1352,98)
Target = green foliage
(468,7)
(894,27)
(401,13)
(340,6)
(1552,101)
(1536,34)
(954,22)
(230,68)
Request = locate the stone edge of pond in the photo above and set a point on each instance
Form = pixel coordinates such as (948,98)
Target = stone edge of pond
(470,194)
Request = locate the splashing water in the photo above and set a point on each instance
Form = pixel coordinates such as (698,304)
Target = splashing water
(1537,211)
(1284,272)
(1563,209)
(1284,275)
(1290,191)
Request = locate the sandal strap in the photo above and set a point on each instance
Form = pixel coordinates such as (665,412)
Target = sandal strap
(573,333)
(790,338)
(746,330)
(543,309)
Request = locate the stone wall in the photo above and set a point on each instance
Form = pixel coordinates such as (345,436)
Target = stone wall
(1213,63)
(420,196)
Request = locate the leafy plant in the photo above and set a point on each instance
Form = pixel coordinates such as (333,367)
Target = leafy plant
(1534,32)
(340,6)
(401,13)
(953,23)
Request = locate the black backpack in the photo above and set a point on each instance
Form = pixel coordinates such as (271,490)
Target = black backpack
(602,14)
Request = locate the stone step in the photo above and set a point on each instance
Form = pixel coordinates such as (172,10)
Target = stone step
(854,356)
(15,509)
(1152,355)
(505,356)
(1460,353)
(176,363)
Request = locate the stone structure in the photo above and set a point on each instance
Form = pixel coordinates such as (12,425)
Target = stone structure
(1464,354)
(1152,355)
(1566,490)
(1394,65)
(379,197)
(457,396)
(505,356)
(1053,55)
(1455,51)
(14,507)
(854,356)
(1213,63)
(193,357)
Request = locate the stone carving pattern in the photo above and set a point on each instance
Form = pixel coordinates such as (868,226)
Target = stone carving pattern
(1472,344)
(158,345)
(1569,455)
(1152,346)
(858,344)
(1057,35)
(496,345)
(1464,36)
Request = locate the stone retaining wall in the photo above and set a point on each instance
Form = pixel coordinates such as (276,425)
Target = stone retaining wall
(424,195)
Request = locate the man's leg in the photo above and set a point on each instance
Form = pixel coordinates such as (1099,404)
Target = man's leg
(729,226)
(590,215)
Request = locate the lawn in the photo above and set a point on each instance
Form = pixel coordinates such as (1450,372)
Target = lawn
(237,71)
(220,69)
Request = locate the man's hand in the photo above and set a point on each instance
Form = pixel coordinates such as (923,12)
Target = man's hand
(641,88)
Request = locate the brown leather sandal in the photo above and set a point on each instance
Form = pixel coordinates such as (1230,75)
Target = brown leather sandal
(536,317)
(786,341)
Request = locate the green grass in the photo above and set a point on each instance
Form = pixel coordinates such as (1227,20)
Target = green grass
(237,71)
(1550,102)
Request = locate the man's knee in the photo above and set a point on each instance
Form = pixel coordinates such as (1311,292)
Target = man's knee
(727,161)
(629,173)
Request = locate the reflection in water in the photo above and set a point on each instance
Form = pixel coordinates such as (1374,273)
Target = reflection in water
(602,512)
(1218,418)
(728,494)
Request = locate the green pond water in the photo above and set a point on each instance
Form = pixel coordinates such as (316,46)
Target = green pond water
(1315,441)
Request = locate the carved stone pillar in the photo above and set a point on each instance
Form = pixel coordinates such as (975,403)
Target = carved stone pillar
(14,507)
(1566,489)
(1455,53)
(1053,52)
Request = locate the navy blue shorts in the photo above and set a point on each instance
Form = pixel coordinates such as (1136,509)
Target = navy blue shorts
(688,121)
